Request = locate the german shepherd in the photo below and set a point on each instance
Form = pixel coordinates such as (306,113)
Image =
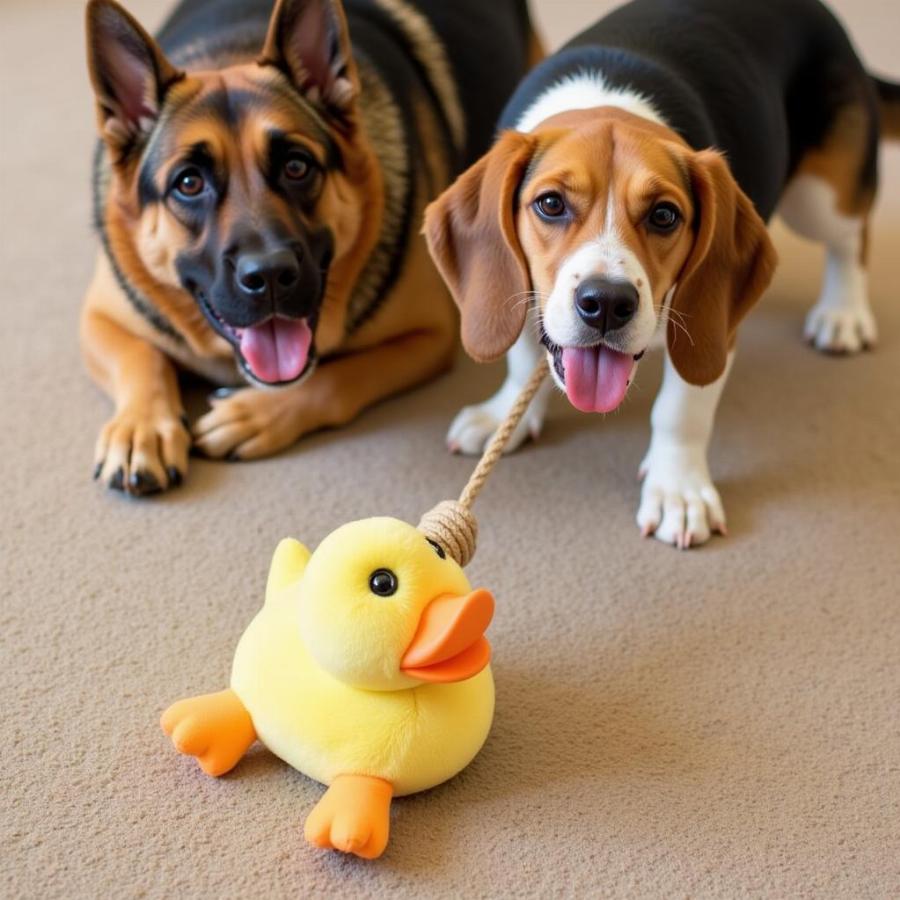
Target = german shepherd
(258,190)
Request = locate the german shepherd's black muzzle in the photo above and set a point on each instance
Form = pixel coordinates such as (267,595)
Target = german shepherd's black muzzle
(263,296)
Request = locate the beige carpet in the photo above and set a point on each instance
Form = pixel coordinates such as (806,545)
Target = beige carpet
(720,723)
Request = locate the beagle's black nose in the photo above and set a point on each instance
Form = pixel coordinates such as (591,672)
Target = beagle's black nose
(271,276)
(606,305)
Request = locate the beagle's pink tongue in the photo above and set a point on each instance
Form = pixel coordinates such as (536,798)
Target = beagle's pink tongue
(596,377)
(277,349)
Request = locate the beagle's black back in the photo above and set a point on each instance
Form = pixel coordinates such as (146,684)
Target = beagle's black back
(761,80)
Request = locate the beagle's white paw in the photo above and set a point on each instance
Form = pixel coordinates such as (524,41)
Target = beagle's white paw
(474,426)
(844,328)
(679,503)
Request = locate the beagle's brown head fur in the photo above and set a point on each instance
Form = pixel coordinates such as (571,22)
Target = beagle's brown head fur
(611,223)
(242,199)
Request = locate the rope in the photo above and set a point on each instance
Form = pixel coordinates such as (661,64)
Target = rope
(454,528)
(498,442)
(452,524)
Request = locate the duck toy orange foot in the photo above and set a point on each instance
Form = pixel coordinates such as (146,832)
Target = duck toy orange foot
(367,669)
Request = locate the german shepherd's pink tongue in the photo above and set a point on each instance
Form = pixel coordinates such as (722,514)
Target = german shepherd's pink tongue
(596,377)
(277,349)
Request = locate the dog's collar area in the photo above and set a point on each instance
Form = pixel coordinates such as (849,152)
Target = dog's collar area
(384,126)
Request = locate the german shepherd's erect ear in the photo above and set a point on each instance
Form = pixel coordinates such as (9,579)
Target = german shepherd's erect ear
(308,41)
(130,74)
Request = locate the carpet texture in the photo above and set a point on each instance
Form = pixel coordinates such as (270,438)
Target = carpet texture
(718,723)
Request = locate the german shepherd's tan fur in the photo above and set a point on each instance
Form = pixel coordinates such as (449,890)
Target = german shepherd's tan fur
(376,332)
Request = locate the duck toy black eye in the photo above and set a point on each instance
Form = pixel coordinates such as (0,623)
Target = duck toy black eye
(383,582)
(437,548)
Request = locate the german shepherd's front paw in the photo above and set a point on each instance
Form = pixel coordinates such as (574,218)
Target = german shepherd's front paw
(143,450)
(249,423)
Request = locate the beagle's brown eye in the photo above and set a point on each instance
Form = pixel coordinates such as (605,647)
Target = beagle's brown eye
(189,183)
(664,217)
(550,206)
(297,167)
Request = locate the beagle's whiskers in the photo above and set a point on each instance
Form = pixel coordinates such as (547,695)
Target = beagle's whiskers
(521,297)
(666,313)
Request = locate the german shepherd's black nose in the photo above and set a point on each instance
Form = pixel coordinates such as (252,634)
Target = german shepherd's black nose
(606,305)
(267,276)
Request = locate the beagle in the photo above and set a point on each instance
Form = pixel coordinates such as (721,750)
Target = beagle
(627,196)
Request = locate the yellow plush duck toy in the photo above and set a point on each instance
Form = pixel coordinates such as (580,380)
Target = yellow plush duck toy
(366,669)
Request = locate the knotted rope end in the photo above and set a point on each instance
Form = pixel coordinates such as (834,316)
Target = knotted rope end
(452,527)
(451,524)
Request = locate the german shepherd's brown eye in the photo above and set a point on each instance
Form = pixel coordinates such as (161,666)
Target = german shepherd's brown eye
(550,206)
(297,167)
(664,217)
(190,183)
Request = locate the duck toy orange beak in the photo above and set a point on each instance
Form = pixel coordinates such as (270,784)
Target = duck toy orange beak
(449,644)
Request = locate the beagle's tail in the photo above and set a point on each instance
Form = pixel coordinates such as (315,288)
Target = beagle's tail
(889,102)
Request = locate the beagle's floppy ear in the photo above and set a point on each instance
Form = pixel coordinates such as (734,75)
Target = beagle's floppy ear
(471,233)
(729,267)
